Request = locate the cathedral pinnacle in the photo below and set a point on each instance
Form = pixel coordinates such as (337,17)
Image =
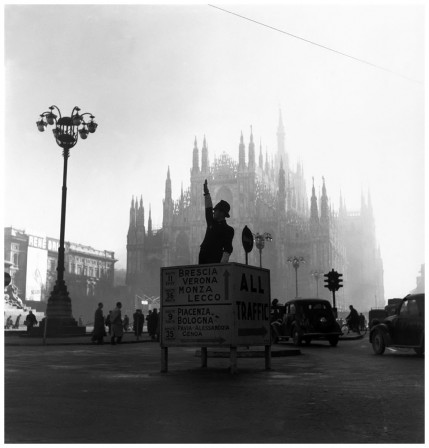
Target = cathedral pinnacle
(195,163)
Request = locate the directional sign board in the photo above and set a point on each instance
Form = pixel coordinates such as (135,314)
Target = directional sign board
(215,305)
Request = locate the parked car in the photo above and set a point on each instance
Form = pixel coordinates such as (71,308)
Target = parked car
(307,319)
(404,329)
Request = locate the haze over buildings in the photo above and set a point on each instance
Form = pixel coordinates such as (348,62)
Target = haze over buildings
(156,77)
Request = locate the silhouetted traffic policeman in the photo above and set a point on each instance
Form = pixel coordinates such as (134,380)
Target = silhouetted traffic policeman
(217,244)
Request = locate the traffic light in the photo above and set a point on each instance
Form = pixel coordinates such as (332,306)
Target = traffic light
(339,281)
(330,280)
(333,280)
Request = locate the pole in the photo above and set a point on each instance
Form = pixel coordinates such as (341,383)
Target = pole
(296,280)
(317,287)
(60,267)
(260,257)
(335,306)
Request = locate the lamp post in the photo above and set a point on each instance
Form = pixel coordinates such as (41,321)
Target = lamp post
(260,243)
(66,132)
(296,261)
(317,274)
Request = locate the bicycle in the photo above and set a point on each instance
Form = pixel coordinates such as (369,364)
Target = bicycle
(347,328)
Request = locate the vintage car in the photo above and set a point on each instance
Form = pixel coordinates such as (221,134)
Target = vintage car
(404,329)
(305,320)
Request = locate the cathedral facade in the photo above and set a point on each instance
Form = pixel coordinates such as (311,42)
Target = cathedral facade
(268,196)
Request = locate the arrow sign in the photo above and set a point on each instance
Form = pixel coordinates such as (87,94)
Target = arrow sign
(226,275)
(252,331)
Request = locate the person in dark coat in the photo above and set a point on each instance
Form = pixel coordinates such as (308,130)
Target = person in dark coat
(217,244)
(353,319)
(138,321)
(99,328)
(117,326)
(155,323)
(149,324)
(30,321)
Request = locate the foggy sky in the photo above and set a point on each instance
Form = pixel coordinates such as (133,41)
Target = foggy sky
(156,77)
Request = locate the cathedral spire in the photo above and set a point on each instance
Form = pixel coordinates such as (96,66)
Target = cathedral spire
(314,213)
(251,151)
(281,151)
(195,157)
(324,212)
(205,157)
(149,223)
(168,186)
(241,154)
(282,190)
(132,213)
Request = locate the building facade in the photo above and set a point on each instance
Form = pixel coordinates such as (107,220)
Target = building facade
(34,266)
(267,195)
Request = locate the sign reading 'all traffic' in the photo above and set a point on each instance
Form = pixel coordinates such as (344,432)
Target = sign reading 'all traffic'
(212,305)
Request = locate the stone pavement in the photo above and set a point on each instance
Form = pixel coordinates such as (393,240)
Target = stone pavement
(74,392)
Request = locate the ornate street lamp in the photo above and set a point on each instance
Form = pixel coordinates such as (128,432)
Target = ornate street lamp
(260,243)
(296,261)
(66,132)
(316,275)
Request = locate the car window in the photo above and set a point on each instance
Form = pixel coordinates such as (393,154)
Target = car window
(413,309)
(404,309)
(317,306)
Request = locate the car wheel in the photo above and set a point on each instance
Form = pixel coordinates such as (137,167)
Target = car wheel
(296,336)
(333,340)
(307,340)
(378,344)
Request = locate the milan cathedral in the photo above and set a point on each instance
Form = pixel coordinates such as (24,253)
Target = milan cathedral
(268,196)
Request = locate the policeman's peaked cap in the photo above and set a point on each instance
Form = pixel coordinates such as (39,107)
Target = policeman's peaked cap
(223,206)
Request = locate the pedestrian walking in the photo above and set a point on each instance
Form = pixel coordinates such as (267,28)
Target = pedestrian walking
(9,322)
(138,322)
(30,321)
(149,321)
(117,330)
(99,328)
(217,244)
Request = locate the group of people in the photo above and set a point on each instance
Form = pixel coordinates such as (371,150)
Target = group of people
(118,326)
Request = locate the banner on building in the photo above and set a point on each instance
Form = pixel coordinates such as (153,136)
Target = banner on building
(37,265)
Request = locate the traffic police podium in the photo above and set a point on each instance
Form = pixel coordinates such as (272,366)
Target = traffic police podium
(215,305)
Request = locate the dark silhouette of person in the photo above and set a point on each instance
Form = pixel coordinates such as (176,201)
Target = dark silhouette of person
(99,328)
(138,321)
(353,319)
(116,325)
(217,244)
(153,324)
(30,321)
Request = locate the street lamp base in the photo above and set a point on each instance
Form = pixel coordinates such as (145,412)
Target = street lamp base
(59,320)
(58,328)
